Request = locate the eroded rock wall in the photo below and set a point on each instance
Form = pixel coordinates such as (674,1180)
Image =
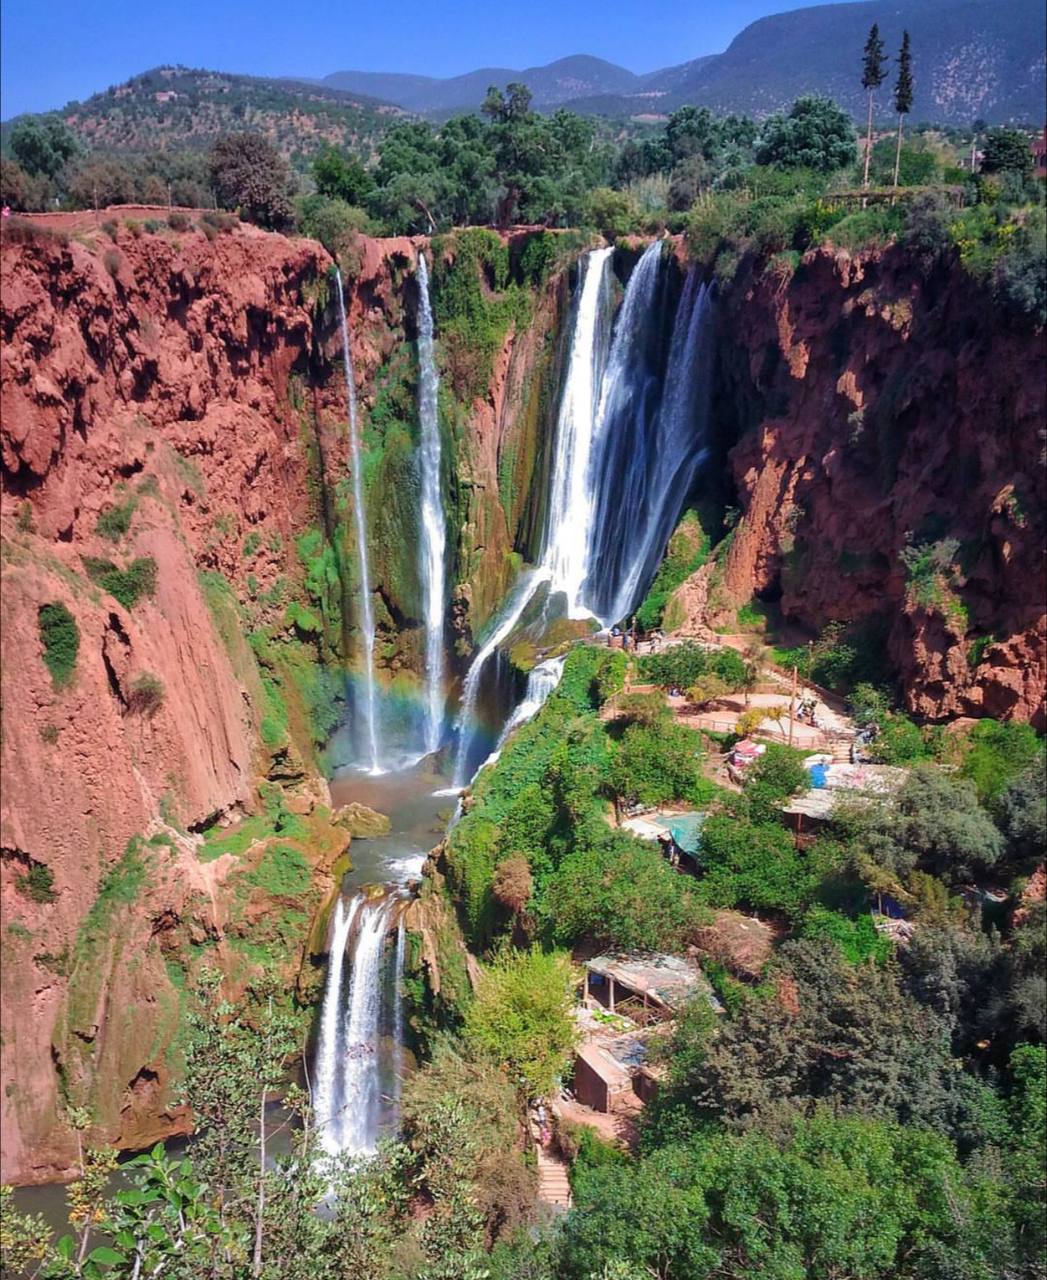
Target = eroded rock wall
(874,407)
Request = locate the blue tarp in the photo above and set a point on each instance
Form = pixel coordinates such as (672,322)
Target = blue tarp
(686,830)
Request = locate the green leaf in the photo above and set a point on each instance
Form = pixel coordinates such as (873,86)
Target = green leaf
(106,1256)
(66,1247)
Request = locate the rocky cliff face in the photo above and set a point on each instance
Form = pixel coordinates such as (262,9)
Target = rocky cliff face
(887,434)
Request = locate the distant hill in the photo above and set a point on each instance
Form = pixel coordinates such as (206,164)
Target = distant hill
(973,58)
(554,85)
(174,108)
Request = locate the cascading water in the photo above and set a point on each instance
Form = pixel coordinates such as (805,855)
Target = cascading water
(326,1096)
(361,1090)
(541,682)
(570,493)
(523,593)
(433,524)
(367,626)
(350,1066)
(625,436)
(566,537)
(679,448)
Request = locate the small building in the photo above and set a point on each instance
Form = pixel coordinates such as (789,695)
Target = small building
(647,986)
(1038,146)
(628,1003)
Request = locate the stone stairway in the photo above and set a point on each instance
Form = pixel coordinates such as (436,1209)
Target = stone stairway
(554,1189)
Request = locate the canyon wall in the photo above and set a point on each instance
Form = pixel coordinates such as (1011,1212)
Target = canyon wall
(175,478)
(871,412)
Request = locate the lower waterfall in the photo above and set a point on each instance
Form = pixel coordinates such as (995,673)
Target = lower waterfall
(357,1068)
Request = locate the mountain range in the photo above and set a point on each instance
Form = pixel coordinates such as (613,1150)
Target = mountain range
(972,58)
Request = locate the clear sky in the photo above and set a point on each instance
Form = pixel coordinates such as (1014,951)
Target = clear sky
(53,51)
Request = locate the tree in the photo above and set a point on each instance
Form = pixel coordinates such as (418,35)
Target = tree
(249,174)
(655,764)
(521,1016)
(936,824)
(341,177)
(814,134)
(43,145)
(1007,151)
(102,183)
(903,91)
(874,72)
(620,893)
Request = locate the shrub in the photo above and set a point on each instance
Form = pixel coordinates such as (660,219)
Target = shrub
(60,637)
(146,695)
(113,260)
(110,229)
(521,1016)
(127,585)
(178,221)
(219,220)
(753,865)
(642,708)
(115,521)
(282,872)
(656,763)
(152,225)
(38,883)
(24,519)
(777,775)
(997,753)
(856,940)
(620,893)
(134,228)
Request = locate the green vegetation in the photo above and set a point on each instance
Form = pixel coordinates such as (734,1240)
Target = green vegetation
(37,884)
(282,871)
(522,1017)
(128,585)
(688,550)
(115,521)
(60,637)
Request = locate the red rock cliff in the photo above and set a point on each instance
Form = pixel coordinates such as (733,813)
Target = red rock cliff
(878,408)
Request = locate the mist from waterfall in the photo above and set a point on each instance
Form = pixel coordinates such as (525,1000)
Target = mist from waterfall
(433,525)
(565,539)
(367,626)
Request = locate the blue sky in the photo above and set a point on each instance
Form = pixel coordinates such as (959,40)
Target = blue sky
(53,51)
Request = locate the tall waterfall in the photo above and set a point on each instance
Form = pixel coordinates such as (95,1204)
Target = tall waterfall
(623,453)
(570,514)
(630,437)
(679,447)
(349,1062)
(565,539)
(366,605)
(431,561)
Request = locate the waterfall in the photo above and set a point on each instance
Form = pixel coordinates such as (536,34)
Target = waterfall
(542,680)
(326,1100)
(398,1008)
(366,605)
(570,512)
(433,524)
(563,560)
(625,449)
(680,445)
(523,593)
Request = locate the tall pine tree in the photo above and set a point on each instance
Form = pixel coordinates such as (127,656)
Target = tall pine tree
(874,72)
(903,90)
